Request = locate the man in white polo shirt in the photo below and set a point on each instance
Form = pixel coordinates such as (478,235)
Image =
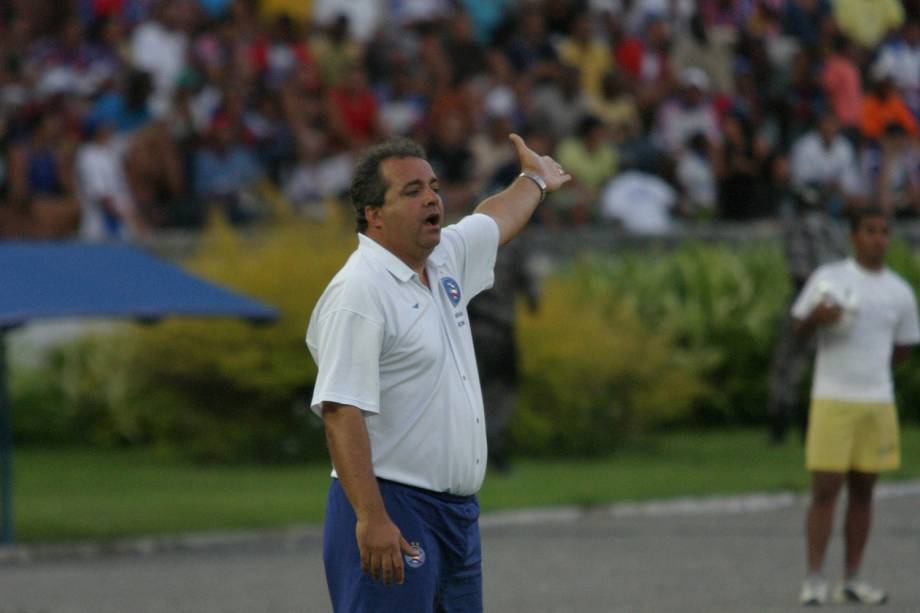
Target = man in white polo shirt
(865,316)
(397,385)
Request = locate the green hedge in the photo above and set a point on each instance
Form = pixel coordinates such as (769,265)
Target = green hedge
(216,390)
(622,345)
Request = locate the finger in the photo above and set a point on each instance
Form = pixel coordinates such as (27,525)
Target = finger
(407,548)
(519,144)
(399,571)
(365,560)
(375,567)
(387,564)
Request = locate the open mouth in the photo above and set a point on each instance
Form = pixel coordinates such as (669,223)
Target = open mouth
(433,220)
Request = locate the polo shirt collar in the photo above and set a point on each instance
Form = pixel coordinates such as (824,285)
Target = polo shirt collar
(387,258)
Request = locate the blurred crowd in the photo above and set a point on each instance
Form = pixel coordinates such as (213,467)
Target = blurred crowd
(120,118)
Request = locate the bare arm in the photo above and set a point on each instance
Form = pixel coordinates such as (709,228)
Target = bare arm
(379,540)
(512,207)
(821,315)
(900,354)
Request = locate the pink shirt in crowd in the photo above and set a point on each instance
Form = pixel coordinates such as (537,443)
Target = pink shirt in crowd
(842,84)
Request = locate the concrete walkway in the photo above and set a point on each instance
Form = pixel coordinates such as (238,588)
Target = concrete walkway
(725,555)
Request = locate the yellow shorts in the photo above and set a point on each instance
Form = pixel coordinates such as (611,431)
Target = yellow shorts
(844,436)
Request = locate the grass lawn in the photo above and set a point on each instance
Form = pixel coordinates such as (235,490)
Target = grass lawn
(63,495)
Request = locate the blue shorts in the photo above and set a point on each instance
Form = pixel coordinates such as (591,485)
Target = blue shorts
(443,526)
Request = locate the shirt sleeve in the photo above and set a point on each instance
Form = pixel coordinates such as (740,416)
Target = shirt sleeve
(907,331)
(472,246)
(347,352)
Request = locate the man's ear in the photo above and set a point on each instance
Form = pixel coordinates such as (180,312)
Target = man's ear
(372,215)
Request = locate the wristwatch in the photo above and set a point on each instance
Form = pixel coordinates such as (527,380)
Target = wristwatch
(536,179)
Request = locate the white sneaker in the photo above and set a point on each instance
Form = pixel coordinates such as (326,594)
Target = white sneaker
(814,593)
(859,592)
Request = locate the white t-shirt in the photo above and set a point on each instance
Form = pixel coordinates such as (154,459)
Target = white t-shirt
(854,354)
(642,202)
(100,175)
(812,162)
(403,354)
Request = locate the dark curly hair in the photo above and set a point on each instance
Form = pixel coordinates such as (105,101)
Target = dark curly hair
(368,187)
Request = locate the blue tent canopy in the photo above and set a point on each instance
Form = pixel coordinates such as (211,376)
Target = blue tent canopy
(67,280)
(55,280)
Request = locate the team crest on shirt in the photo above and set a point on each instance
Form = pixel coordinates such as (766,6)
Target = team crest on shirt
(415,562)
(453,290)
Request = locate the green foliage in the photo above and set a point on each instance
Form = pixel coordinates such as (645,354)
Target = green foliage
(907,376)
(71,398)
(222,390)
(594,373)
(724,307)
(621,346)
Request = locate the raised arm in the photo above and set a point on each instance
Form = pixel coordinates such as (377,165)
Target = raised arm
(512,207)
(379,540)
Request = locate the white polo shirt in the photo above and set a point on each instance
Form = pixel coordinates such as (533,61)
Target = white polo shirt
(403,354)
(854,354)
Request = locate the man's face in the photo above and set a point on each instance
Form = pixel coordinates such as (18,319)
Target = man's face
(828,128)
(870,241)
(409,222)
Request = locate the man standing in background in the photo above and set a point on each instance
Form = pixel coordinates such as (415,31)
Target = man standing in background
(865,317)
(492,317)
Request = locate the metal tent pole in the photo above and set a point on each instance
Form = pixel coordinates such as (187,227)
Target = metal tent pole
(6,451)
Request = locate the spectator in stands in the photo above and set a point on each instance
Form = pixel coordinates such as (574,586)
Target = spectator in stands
(891,172)
(529,49)
(352,110)
(883,106)
(226,172)
(591,159)
(640,201)
(868,22)
(41,186)
(801,97)
(403,103)
(616,107)
(491,148)
(804,20)
(363,17)
(336,54)
(711,52)
(696,178)
(107,209)
(452,160)
(278,55)
(742,172)
(465,55)
(688,113)
(825,160)
(318,177)
(587,52)
(559,104)
(842,84)
(159,46)
(900,58)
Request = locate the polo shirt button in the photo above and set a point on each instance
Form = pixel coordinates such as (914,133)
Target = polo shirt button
(477,420)
(477,461)
(464,377)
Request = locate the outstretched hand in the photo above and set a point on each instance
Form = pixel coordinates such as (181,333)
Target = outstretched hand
(545,166)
